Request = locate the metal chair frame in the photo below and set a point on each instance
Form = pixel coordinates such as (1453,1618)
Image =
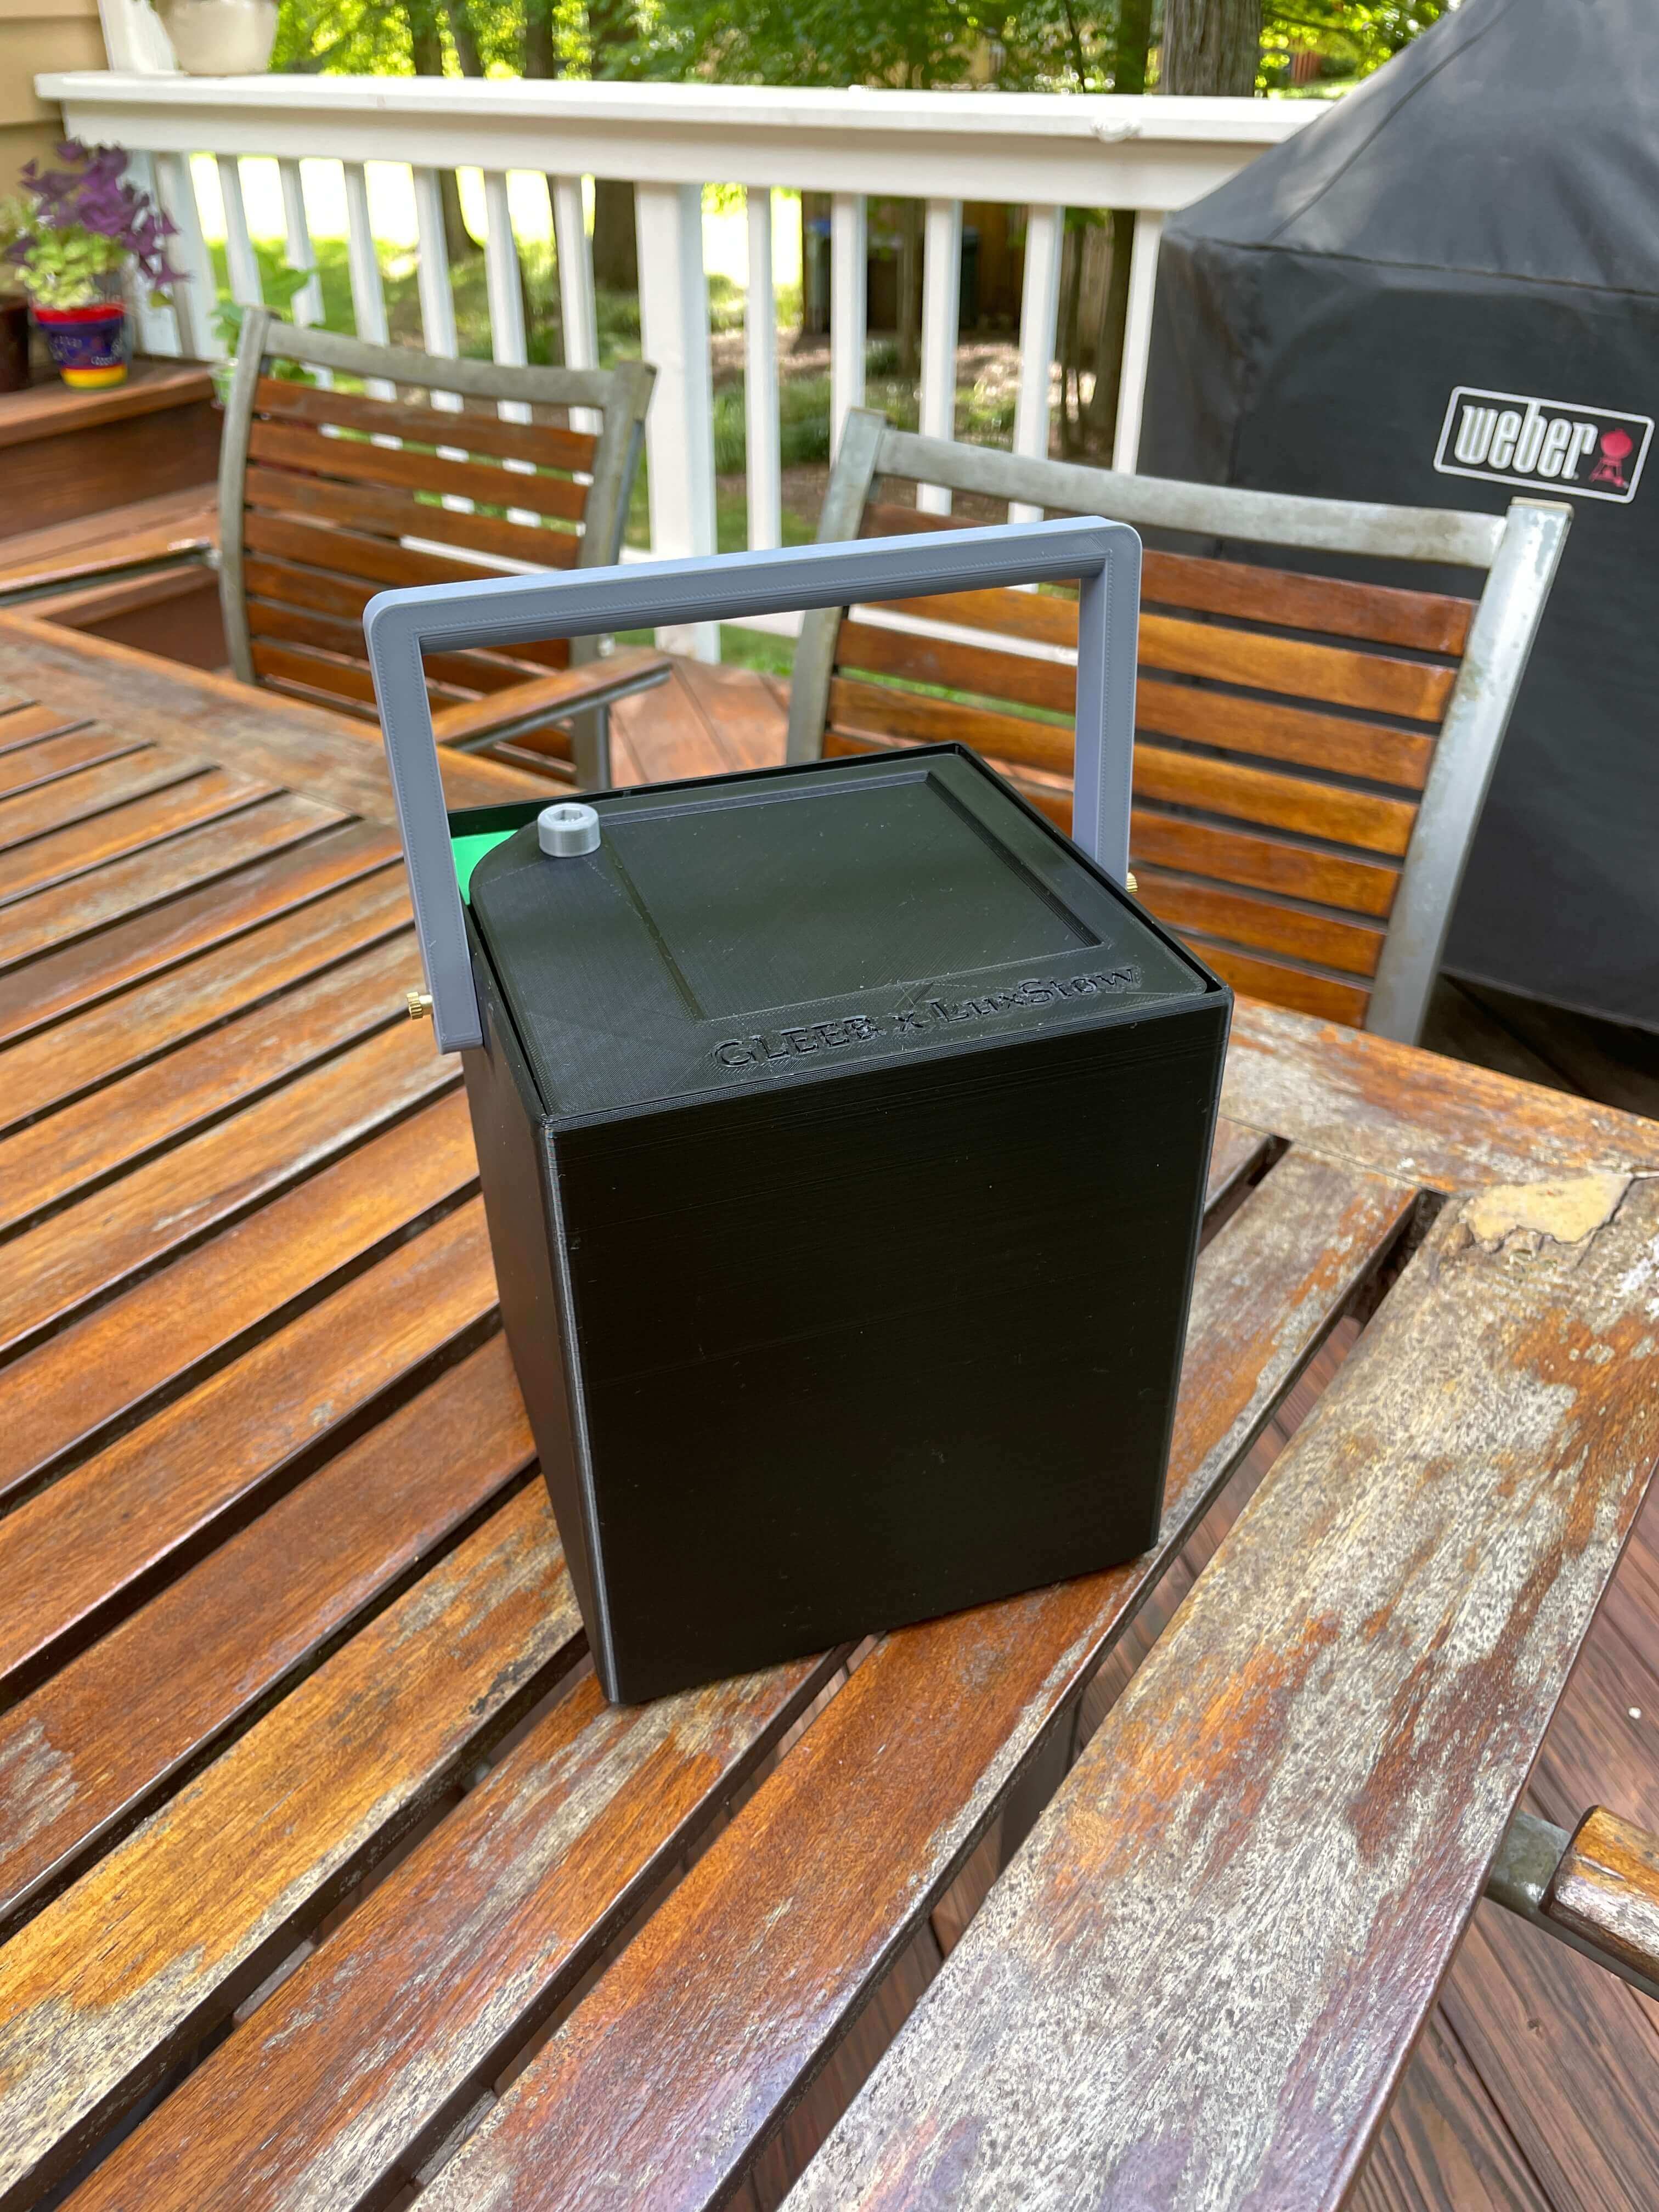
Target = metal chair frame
(1518,552)
(619,396)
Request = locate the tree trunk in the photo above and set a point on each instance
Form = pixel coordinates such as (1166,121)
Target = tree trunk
(1134,35)
(540,58)
(1100,416)
(616,242)
(466,39)
(1211,46)
(909,288)
(1071,288)
(611,32)
(427,45)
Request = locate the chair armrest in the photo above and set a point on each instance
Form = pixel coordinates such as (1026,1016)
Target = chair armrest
(70,580)
(1606,1889)
(1597,1889)
(527,706)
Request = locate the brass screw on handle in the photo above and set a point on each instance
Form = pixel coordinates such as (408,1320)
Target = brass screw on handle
(419,1004)
(1130,884)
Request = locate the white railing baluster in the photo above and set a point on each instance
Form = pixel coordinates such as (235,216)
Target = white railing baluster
(679,429)
(307,306)
(761,460)
(941,298)
(578,315)
(158,327)
(1039,323)
(134,39)
(363,263)
(1137,339)
(507,331)
(848,254)
(241,262)
(300,253)
(193,303)
(437,302)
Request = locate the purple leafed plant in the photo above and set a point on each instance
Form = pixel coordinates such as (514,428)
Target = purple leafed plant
(78,226)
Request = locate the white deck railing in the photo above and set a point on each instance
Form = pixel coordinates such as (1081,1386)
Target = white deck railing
(1045,152)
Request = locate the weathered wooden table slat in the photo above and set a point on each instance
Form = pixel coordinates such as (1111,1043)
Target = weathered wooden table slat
(82,973)
(126,1714)
(105,1364)
(834,1864)
(315,1835)
(1287,1781)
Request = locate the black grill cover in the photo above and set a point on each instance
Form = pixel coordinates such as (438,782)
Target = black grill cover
(1476,227)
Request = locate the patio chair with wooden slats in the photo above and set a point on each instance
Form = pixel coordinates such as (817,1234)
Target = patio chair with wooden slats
(1312,754)
(327,494)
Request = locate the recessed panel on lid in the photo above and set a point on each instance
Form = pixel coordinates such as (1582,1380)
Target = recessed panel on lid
(789,896)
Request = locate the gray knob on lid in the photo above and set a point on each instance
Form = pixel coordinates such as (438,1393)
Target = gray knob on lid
(566,829)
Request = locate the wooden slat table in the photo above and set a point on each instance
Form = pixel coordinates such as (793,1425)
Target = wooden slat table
(326,1877)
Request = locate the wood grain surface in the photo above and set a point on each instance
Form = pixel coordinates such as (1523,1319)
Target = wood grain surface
(1456,1501)
(109,1728)
(155,1943)
(455,1957)
(24,766)
(69,1553)
(406,468)
(61,799)
(189,921)
(92,1246)
(671,2073)
(77,1054)
(470,428)
(93,1138)
(325,1872)
(82,846)
(134,1345)
(52,918)
(304,749)
(1408,1113)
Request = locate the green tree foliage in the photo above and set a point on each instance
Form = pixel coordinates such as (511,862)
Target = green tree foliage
(1350,38)
(1036,45)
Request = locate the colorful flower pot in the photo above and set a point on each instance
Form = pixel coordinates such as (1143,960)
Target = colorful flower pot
(89,345)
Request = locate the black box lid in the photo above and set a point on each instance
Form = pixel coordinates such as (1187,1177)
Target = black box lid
(801,923)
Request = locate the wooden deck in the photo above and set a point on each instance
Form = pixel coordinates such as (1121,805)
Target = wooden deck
(1536,2086)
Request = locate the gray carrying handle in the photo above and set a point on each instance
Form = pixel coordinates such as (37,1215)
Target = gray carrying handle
(399,626)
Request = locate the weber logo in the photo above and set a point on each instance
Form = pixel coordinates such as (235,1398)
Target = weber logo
(1545,444)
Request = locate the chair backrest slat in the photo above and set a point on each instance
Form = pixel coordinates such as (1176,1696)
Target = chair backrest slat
(1294,730)
(545,445)
(355,459)
(328,495)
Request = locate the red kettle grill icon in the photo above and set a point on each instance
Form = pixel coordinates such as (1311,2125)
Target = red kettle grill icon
(1610,461)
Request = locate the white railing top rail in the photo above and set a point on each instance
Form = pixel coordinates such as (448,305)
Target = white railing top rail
(1084,149)
(1047,151)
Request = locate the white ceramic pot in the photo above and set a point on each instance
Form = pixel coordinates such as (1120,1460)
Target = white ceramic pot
(220,38)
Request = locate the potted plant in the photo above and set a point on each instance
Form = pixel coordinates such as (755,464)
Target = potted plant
(76,232)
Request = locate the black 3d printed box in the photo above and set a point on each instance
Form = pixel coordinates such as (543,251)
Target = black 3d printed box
(843,1135)
(843,1131)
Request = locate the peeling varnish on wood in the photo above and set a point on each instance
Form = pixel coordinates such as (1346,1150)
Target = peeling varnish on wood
(652,2095)
(92,1990)
(1566,1208)
(36,1785)
(1398,1111)
(1314,1766)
